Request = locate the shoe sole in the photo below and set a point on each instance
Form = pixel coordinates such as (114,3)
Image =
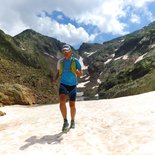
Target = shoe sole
(65,130)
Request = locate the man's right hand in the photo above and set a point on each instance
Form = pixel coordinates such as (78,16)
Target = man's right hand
(56,78)
(54,81)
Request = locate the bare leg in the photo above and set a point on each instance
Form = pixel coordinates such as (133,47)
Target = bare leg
(72,109)
(63,108)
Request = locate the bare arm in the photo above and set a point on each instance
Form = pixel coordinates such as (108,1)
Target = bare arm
(56,77)
(79,72)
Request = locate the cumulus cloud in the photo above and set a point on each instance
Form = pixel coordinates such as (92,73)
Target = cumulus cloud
(135,18)
(17,15)
(105,17)
(140,3)
(66,32)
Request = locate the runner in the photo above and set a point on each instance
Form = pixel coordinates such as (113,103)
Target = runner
(68,69)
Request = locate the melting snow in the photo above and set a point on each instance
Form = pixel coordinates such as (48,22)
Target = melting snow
(82,64)
(140,58)
(82,84)
(122,126)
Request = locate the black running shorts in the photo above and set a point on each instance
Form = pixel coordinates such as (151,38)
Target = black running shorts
(68,90)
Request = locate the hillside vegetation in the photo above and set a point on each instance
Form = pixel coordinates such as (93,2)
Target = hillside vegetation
(30,59)
(124,66)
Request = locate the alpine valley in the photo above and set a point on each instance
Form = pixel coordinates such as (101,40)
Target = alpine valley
(120,67)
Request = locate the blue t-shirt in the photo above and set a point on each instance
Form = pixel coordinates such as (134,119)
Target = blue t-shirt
(68,77)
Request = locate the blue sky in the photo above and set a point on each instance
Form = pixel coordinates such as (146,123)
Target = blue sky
(76,21)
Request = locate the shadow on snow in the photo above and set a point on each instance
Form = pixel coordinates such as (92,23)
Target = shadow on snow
(49,139)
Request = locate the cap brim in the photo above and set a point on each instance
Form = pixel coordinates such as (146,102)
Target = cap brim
(66,50)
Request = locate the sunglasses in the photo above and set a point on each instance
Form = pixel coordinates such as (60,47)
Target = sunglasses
(66,51)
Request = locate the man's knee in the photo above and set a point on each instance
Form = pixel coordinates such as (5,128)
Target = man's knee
(62,97)
(72,104)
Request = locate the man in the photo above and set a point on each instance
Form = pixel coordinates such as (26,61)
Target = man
(68,68)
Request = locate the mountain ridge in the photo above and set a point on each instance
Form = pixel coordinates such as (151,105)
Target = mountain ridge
(119,57)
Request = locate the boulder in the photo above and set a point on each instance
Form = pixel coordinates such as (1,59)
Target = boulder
(2,113)
(11,94)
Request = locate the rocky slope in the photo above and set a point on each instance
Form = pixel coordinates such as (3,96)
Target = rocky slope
(122,66)
(29,59)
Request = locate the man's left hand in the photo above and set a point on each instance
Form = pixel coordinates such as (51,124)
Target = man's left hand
(78,73)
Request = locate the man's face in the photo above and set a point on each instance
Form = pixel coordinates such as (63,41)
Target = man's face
(67,54)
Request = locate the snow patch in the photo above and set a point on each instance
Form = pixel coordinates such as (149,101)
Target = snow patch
(82,84)
(82,64)
(87,78)
(122,40)
(48,54)
(118,58)
(113,55)
(80,93)
(140,58)
(101,73)
(23,49)
(96,95)
(125,57)
(89,54)
(94,87)
(106,62)
(152,46)
(99,81)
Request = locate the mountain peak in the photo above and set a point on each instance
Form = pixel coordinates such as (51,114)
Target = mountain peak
(28,32)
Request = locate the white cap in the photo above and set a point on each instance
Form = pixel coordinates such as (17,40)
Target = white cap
(66,48)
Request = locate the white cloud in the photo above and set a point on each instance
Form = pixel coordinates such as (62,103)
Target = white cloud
(67,33)
(17,15)
(141,6)
(135,18)
(104,16)
(140,3)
